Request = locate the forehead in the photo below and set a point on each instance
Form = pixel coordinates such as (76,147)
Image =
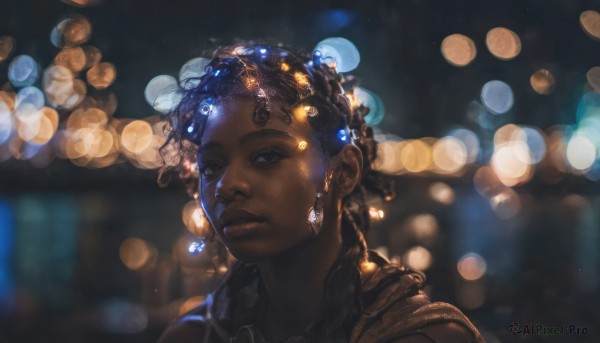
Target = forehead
(232,118)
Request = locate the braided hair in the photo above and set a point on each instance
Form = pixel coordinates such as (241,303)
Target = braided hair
(297,78)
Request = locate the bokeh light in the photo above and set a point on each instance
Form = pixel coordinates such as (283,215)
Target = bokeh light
(416,156)
(581,152)
(418,258)
(73,59)
(136,136)
(162,93)
(6,123)
(388,157)
(471,266)
(373,102)
(23,71)
(470,141)
(590,23)
(503,43)
(487,183)
(73,31)
(340,51)
(57,84)
(136,253)
(542,82)
(101,75)
(7,46)
(593,78)
(29,101)
(449,155)
(458,50)
(191,71)
(424,227)
(511,163)
(497,97)
(506,204)
(442,193)
(93,56)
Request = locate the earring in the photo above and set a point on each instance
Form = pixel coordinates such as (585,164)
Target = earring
(315,216)
(197,246)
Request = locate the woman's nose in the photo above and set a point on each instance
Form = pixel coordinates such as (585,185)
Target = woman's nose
(233,183)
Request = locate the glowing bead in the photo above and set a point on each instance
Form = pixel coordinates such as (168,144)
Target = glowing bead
(311,111)
(317,57)
(262,52)
(206,107)
(342,135)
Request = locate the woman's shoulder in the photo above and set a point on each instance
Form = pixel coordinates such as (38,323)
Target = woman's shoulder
(397,310)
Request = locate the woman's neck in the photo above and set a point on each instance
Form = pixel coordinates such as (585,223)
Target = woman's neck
(295,282)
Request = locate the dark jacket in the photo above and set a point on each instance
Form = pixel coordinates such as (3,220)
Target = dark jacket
(396,310)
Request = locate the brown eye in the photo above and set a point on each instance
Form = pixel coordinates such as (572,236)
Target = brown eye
(208,169)
(268,156)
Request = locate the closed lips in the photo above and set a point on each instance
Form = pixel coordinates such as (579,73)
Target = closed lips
(238,216)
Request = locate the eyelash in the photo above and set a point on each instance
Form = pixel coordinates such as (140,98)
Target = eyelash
(267,152)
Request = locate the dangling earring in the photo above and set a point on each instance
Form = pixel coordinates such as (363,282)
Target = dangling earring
(315,216)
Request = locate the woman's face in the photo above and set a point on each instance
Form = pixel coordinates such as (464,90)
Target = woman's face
(259,181)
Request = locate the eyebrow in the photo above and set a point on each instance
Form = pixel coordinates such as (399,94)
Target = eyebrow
(251,136)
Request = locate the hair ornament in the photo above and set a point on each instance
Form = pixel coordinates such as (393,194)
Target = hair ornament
(206,106)
(243,51)
(191,129)
(342,135)
(263,108)
(317,57)
(311,111)
(262,51)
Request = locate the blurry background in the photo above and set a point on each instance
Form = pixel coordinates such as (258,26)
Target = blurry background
(488,111)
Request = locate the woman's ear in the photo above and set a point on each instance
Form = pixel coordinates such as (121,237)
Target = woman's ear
(349,167)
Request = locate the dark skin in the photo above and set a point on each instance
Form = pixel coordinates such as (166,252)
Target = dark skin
(274,170)
(268,173)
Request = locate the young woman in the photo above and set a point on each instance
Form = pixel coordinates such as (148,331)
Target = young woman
(284,161)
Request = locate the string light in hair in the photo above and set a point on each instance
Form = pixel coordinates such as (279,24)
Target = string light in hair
(317,57)
(301,79)
(262,52)
(206,106)
(190,128)
(343,135)
(311,111)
